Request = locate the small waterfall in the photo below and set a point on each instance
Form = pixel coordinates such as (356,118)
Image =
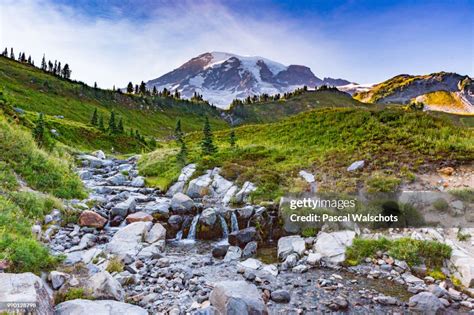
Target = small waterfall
(225,230)
(179,235)
(192,230)
(234,223)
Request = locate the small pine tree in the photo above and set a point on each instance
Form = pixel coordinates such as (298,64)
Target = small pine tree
(12,55)
(38,131)
(101,123)
(94,119)
(129,87)
(155,91)
(120,128)
(95,85)
(43,63)
(66,72)
(232,139)
(112,125)
(5,52)
(207,144)
(182,155)
(142,88)
(178,133)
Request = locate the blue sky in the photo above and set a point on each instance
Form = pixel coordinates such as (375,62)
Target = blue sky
(113,42)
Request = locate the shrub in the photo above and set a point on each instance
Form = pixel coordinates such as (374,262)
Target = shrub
(379,182)
(115,265)
(440,204)
(464,194)
(72,294)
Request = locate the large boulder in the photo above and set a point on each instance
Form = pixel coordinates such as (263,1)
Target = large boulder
(117,180)
(208,217)
(237,297)
(92,219)
(230,193)
(220,185)
(102,307)
(124,207)
(138,181)
(104,287)
(290,244)
(181,203)
(159,208)
(199,187)
(25,288)
(177,187)
(242,237)
(128,239)
(233,253)
(244,193)
(426,303)
(156,233)
(332,246)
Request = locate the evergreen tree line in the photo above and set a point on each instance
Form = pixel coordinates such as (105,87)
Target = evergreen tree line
(54,68)
(112,127)
(142,90)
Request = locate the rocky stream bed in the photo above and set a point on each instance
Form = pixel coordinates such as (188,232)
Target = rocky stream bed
(136,250)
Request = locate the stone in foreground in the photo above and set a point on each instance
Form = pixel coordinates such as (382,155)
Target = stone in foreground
(332,246)
(139,216)
(426,303)
(104,307)
(25,288)
(237,297)
(92,219)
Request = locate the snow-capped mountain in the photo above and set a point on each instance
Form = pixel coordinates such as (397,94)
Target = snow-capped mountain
(221,77)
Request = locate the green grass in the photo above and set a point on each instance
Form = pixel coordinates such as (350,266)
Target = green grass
(466,194)
(326,141)
(440,204)
(34,91)
(414,252)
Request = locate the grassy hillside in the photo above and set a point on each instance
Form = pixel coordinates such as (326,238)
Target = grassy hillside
(394,142)
(264,112)
(444,101)
(48,175)
(33,90)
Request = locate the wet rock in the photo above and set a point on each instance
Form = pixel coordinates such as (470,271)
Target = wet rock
(208,217)
(332,246)
(128,239)
(181,203)
(156,233)
(290,261)
(138,182)
(233,253)
(281,296)
(250,250)
(175,221)
(426,303)
(290,244)
(117,180)
(237,297)
(102,307)
(246,212)
(356,166)
(26,287)
(242,237)
(220,250)
(160,209)
(138,217)
(103,286)
(92,219)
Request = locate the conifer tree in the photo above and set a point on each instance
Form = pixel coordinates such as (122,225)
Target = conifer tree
(182,155)
(39,131)
(178,133)
(129,87)
(120,128)
(136,88)
(232,139)
(95,85)
(43,63)
(94,119)
(112,126)
(59,69)
(207,144)
(101,123)
(29,60)
(155,91)
(66,73)
(5,52)
(142,88)
(12,55)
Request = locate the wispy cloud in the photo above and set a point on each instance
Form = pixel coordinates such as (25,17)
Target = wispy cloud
(115,51)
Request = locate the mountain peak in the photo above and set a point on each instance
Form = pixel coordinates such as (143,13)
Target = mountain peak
(222,77)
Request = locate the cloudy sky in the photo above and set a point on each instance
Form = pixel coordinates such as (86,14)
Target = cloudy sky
(113,42)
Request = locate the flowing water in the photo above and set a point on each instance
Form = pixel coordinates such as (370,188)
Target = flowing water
(234,222)
(192,230)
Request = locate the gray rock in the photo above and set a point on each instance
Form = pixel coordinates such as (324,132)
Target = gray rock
(233,253)
(242,237)
(251,263)
(117,180)
(181,203)
(187,172)
(128,239)
(246,212)
(177,187)
(356,165)
(138,182)
(100,307)
(237,297)
(26,288)
(152,251)
(426,303)
(156,233)
(161,208)
(208,217)
(220,185)
(199,187)
(103,286)
(85,175)
(124,207)
(250,250)
(332,246)
(244,193)
(290,244)
(219,250)
(99,154)
(314,259)
(175,221)
(281,296)
(57,279)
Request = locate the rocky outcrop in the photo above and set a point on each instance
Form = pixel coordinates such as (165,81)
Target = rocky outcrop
(426,303)
(237,297)
(25,288)
(104,287)
(289,245)
(128,239)
(332,246)
(180,203)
